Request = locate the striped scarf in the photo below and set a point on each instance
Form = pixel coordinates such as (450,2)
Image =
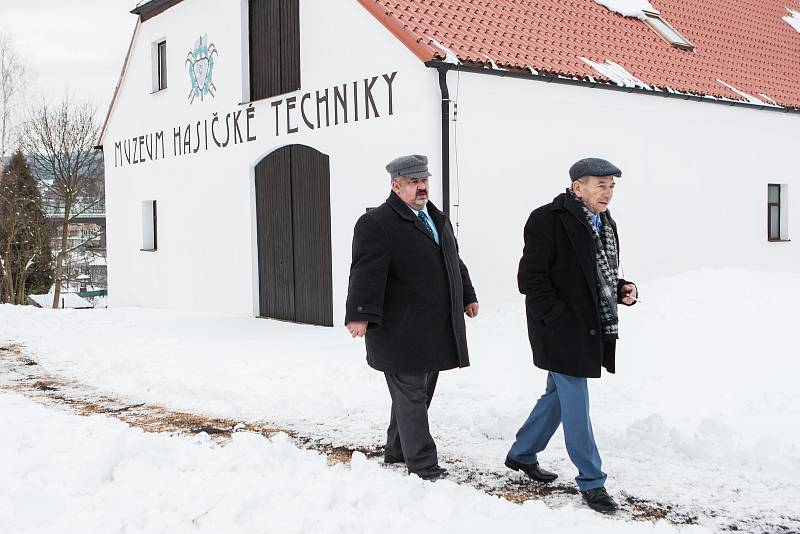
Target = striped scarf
(607,261)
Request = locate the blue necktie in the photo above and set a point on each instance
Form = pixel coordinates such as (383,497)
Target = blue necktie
(426,224)
(596,222)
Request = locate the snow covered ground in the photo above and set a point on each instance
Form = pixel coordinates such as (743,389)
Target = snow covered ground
(702,412)
(96,475)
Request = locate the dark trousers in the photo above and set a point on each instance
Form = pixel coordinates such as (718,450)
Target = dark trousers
(408,436)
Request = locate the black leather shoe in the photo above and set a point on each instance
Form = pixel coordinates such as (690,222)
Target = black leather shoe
(432,473)
(599,500)
(532,470)
(389,459)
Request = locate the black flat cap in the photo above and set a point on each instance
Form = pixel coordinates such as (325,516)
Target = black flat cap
(593,167)
(414,166)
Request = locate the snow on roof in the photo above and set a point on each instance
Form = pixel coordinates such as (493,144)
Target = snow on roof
(69,300)
(450,56)
(628,8)
(793,19)
(744,43)
(749,98)
(771,101)
(616,73)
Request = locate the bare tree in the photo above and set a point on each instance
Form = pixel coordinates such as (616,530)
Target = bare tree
(59,142)
(13,80)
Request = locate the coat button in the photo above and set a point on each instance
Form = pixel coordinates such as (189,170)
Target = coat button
(361,308)
(592,332)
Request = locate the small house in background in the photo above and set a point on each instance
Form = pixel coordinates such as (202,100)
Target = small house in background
(96,267)
(245,138)
(68,300)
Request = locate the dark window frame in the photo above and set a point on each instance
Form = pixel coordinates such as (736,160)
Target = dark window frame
(155,227)
(155,230)
(273,48)
(161,65)
(653,18)
(770,205)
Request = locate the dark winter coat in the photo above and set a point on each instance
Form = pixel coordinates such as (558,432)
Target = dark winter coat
(410,290)
(558,276)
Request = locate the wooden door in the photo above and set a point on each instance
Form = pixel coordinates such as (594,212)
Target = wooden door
(294,236)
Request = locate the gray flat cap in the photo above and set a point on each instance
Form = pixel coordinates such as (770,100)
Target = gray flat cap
(414,166)
(593,167)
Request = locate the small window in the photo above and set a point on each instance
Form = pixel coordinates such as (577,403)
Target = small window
(159,65)
(777,211)
(149,226)
(667,32)
(274,43)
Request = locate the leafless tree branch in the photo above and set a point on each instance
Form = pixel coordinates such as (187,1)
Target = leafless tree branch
(59,143)
(13,81)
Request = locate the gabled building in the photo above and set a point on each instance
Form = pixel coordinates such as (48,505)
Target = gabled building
(245,138)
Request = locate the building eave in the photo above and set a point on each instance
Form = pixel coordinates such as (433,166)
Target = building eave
(119,85)
(412,41)
(555,78)
(152,8)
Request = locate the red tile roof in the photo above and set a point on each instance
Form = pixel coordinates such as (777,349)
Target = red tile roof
(744,43)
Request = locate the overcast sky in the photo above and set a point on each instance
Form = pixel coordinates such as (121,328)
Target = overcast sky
(79,44)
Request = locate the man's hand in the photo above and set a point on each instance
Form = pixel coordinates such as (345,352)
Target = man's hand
(471,309)
(631,294)
(357,328)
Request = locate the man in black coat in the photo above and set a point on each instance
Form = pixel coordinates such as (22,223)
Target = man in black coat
(569,276)
(408,294)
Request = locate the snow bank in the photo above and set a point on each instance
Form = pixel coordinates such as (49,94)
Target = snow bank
(95,474)
(628,8)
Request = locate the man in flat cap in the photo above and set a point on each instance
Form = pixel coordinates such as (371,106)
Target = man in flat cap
(408,294)
(569,276)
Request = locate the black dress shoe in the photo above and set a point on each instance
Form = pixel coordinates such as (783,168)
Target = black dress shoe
(389,459)
(599,500)
(432,473)
(532,470)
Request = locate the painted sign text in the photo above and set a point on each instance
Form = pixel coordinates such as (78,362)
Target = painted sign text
(350,102)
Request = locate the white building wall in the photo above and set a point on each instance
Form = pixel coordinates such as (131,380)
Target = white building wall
(693,192)
(207,255)
(692,195)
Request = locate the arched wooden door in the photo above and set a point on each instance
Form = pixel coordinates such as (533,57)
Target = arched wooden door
(293,211)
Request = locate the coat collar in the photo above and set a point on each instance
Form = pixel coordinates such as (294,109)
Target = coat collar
(580,235)
(405,213)
(566,202)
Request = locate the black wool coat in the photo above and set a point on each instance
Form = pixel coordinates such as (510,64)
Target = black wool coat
(410,290)
(558,276)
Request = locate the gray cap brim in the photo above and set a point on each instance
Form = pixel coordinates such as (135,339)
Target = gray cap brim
(417,172)
(413,166)
(593,167)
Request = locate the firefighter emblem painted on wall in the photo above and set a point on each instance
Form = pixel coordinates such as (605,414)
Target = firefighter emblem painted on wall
(200,63)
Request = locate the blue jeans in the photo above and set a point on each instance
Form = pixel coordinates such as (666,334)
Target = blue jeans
(566,400)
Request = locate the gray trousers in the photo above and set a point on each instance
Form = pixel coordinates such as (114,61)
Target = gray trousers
(408,436)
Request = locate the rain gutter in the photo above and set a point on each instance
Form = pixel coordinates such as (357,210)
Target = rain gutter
(442,66)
